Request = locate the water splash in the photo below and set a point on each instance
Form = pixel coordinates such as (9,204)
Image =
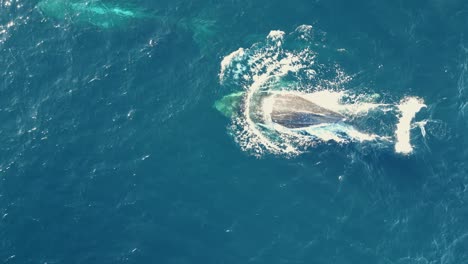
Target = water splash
(408,109)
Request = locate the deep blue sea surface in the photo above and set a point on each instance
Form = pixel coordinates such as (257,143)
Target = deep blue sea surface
(111,150)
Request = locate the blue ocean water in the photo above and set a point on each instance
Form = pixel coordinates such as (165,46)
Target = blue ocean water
(111,150)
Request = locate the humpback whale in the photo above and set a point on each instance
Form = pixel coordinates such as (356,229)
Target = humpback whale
(286,109)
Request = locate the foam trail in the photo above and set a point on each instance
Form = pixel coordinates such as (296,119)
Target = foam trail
(334,132)
(408,109)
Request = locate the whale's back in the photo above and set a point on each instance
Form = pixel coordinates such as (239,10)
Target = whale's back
(293,111)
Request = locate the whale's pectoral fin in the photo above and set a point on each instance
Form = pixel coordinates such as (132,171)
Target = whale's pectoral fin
(230,104)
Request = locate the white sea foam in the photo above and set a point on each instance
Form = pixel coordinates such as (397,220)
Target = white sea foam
(305,32)
(276,35)
(340,133)
(408,108)
(226,62)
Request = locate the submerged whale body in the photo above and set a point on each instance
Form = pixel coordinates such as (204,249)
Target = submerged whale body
(96,13)
(293,111)
(107,15)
